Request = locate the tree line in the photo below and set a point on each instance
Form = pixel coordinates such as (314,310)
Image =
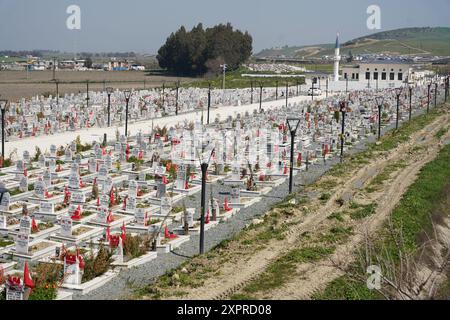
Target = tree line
(200,50)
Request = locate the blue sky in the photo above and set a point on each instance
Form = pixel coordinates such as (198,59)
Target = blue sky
(143,25)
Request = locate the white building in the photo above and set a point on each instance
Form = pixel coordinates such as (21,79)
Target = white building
(378,70)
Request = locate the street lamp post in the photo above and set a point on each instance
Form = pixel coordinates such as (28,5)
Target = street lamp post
(127,94)
(287,93)
(87,94)
(398,92)
(429,92)
(209,100)
(57,91)
(435,94)
(346,84)
(343,109)
(109,91)
(410,102)
(260,96)
(293,124)
(327,88)
(379,100)
(54,69)
(176,102)
(251,95)
(224,68)
(276,90)
(204,167)
(3,104)
(446,87)
(163,93)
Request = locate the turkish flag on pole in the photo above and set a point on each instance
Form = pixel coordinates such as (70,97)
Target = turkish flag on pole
(27,277)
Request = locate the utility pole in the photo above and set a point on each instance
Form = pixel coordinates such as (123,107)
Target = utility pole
(260,96)
(224,68)
(209,101)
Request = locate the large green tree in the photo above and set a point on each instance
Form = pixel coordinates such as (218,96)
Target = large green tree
(197,51)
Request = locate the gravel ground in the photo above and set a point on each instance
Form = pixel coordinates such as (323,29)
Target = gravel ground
(122,286)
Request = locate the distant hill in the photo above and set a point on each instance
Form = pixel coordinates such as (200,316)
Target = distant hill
(407,41)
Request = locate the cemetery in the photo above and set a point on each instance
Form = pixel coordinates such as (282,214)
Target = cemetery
(96,209)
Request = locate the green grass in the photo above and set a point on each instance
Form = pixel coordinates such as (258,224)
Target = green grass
(279,272)
(441,133)
(363,212)
(4,243)
(234,80)
(385,175)
(345,288)
(336,235)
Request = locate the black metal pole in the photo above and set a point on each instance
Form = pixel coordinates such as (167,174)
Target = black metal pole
(346,85)
(297,88)
(428,103)
(410,103)
(379,122)
(342,134)
(260,97)
(57,93)
(287,93)
(204,167)
(109,109)
(87,94)
(435,93)
(327,89)
(291,171)
(276,90)
(251,95)
(163,93)
(126,118)
(398,107)
(176,103)
(209,101)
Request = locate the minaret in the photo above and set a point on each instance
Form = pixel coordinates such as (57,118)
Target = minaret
(337,59)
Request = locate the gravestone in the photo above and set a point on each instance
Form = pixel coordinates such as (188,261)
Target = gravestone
(181,178)
(139,215)
(23,184)
(68,154)
(72,272)
(104,200)
(53,151)
(39,189)
(52,165)
(132,189)
(66,225)
(235,194)
(102,173)
(6,201)
(74,181)
(161,190)
(47,177)
(46,207)
(25,225)
(41,161)
(77,197)
(26,156)
(22,243)
(131,204)
(3,221)
(92,165)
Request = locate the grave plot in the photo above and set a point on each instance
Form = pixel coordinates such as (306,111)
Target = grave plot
(76,234)
(132,250)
